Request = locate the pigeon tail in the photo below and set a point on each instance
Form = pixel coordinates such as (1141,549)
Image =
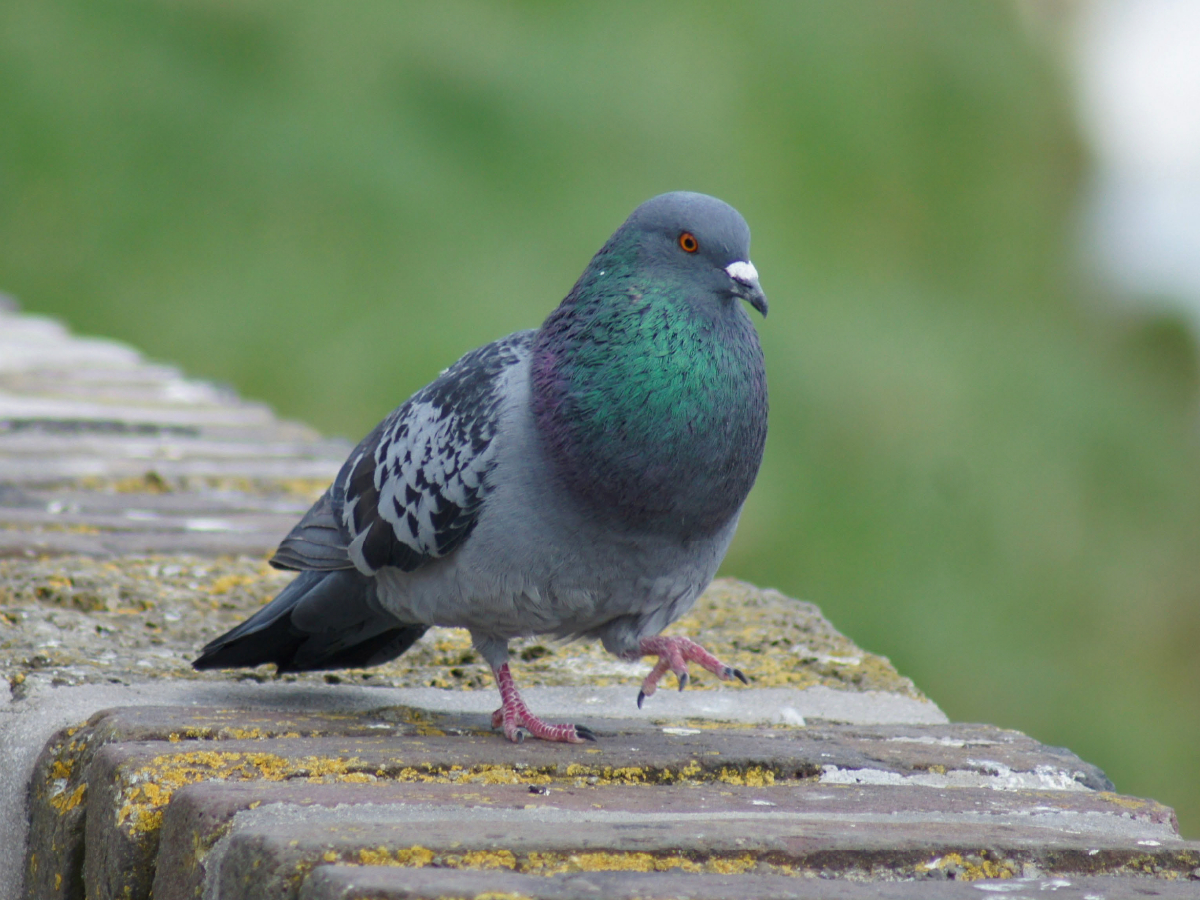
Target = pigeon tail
(322,620)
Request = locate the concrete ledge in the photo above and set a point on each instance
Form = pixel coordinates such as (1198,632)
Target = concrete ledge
(155,795)
(340,882)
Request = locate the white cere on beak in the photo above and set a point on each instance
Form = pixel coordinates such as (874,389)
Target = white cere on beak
(743,271)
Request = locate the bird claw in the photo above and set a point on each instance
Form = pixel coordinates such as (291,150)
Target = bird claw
(586,733)
(518,722)
(525,725)
(674,653)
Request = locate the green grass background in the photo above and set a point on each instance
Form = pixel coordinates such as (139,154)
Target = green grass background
(972,468)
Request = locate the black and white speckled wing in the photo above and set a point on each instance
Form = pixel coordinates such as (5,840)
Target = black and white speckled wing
(412,490)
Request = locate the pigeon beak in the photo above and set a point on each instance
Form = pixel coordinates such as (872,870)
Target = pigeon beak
(745,284)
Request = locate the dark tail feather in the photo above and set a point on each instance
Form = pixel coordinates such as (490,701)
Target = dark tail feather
(322,620)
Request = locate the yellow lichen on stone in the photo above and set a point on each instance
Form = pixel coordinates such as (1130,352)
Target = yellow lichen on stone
(494,775)
(499,774)
(149,787)
(972,868)
(143,807)
(64,802)
(626,775)
(1143,864)
(243,734)
(731,865)
(535,863)
(754,776)
(666,863)
(1123,801)
(606,861)
(601,861)
(154,793)
(485,859)
(414,857)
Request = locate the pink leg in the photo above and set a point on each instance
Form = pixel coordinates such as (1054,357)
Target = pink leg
(674,653)
(514,716)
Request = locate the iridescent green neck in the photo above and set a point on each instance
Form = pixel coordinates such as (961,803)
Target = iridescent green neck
(651,403)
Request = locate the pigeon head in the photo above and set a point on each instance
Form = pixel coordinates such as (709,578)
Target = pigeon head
(696,239)
(647,382)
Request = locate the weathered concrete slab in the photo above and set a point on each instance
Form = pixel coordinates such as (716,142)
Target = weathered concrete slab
(30,723)
(342,882)
(121,771)
(269,857)
(201,815)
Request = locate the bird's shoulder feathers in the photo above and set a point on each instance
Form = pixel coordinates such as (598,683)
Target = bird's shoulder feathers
(412,490)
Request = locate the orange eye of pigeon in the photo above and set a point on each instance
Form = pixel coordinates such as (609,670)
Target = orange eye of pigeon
(688,242)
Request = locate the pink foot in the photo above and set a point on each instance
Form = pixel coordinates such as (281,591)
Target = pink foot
(516,719)
(674,653)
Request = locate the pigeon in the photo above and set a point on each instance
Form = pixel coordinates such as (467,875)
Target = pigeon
(581,481)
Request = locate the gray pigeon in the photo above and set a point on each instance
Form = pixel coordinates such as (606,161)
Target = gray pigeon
(583,480)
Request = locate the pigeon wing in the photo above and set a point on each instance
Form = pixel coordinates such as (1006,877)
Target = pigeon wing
(411,492)
(317,543)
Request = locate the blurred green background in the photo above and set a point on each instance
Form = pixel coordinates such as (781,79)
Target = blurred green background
(971,468)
